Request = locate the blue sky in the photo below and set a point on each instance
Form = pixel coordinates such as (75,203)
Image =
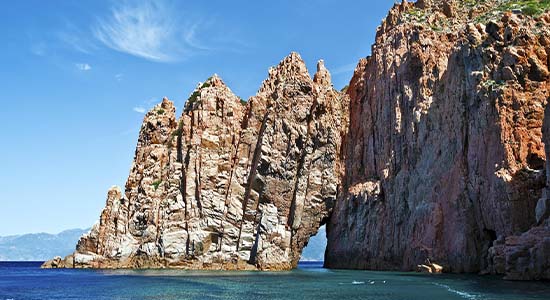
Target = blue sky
(76,77)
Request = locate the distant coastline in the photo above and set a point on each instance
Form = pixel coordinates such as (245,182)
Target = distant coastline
(36,247)
(39,247)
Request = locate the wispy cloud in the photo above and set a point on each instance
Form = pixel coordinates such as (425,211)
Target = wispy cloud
(143,106)
(148,30)
(190,37)
(83,67)
(153,100)
(77,38)
(139,109)
(37,45)
(156,30)
(75,41)
(349,68)
(38,49)
(119,76)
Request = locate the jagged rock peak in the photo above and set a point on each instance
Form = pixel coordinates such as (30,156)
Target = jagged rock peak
(357,81)
(291,69)
(158,123)
(165,104)
(292,66)
(213,86)
(322,76)
(214,81)
(232,185)
(292,60)
(113,190)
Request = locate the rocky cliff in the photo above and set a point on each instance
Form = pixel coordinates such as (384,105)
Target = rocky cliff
(436,151)
(444,158)
(228,185)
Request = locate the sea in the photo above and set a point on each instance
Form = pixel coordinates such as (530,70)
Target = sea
(25,280)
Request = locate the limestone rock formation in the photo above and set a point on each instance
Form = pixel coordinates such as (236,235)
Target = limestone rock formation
(444,157)
(231,184)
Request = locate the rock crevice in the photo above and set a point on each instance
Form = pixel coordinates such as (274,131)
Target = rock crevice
(225,187)
(434,153)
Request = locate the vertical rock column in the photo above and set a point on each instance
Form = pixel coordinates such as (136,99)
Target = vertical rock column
(232,184)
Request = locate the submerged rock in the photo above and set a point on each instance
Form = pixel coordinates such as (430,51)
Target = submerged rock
(54,263)
(429,267)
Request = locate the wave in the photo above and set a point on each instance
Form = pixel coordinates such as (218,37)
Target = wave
(460,293)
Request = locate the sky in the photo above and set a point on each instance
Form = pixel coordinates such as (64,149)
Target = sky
(76,78)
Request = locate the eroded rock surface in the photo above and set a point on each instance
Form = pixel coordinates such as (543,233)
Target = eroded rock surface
(527,256)
(231,184)
(435,154)
(443,156)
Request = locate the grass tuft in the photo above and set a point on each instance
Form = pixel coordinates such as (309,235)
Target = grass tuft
(156,184)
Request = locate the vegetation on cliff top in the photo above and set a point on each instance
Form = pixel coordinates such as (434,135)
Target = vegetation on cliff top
(197,92)
(530,7)
(479,11)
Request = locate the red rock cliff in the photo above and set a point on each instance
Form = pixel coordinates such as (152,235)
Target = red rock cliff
(443,158)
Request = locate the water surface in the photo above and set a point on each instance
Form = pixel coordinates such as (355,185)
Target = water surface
(310,281)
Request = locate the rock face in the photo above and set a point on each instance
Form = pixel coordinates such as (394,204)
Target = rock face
(231,184)
(444,156)
(435,154)
(527,256)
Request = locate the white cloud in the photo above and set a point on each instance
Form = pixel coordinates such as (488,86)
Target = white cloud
(157,30)
(349,68)
(152,101)
(77,38)
(139,109)
(148,30)
(190,37)
(142,107)
(38,49)
(119,76)
(83,67)
(77,42)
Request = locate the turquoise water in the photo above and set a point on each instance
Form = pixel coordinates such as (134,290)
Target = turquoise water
(310,281)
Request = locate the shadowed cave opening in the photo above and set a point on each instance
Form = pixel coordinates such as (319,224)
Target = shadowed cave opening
(315,249)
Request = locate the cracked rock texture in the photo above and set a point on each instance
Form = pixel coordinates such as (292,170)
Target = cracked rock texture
(444,155)
(527,256)
(435,153)
(231,184)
